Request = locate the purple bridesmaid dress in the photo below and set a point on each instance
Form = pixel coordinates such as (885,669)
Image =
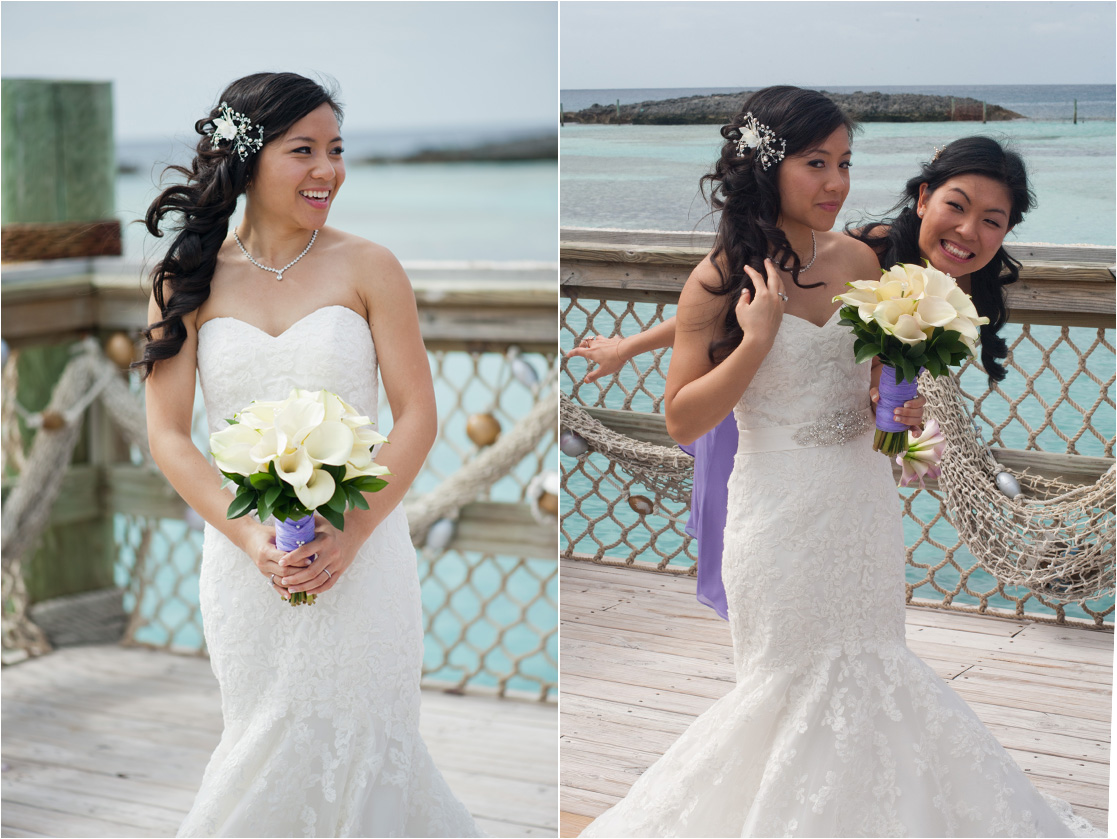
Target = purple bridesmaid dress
(713,455)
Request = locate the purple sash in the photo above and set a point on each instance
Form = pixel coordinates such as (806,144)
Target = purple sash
(713,455)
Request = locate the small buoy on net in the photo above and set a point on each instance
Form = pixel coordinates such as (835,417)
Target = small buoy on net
(482,429)
(193,519)
(120,349)
(52,420)
(573,444)
(440,534)
(1007,484)
(543,493)
(4,352)
(641,504)
(525,374)
(548,503)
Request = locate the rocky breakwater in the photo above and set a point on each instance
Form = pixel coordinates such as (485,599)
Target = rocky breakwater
(718,109)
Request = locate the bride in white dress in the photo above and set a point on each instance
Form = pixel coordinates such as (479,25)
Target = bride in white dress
(320,702)
(834,727)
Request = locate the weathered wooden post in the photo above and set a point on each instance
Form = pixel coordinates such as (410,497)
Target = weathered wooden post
(58,192)
(59,168)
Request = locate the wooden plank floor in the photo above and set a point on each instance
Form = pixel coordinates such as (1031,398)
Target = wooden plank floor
(105,741)
(641,658)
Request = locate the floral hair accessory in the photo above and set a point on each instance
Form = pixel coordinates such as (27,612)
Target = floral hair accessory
(762,139)
(236,127)
(938,153)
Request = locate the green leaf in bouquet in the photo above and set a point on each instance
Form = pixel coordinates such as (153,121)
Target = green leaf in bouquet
(244,502)
(337,500)
(910,370)
(357,498)
(370,484)
(232,421)
(333,517)
(260,480)
(866,352)
(336,472)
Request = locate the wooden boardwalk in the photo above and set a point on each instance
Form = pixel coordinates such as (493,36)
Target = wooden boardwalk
(105,741)
(641,658)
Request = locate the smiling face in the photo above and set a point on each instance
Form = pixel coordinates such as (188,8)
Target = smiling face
(964,223)
(299,174)
(814,183)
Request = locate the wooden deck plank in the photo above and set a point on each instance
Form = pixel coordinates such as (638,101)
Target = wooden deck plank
(89,749)
(641,658)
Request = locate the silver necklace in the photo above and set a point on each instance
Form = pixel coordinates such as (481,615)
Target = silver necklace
(279,271)
(802,268)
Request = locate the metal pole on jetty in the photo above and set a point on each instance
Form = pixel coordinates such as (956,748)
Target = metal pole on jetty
(983,113)
(1075,112)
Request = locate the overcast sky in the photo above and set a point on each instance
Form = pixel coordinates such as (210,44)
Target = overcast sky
(753,44)
(400,66)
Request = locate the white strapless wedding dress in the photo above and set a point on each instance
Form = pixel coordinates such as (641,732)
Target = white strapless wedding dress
(320,702)
(834,727)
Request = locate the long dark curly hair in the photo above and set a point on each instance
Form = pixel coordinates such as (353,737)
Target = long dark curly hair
(896,239)
(748,198)
(215,179)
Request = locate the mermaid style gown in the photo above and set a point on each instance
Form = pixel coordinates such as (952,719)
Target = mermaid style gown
(834,727)
(320,702)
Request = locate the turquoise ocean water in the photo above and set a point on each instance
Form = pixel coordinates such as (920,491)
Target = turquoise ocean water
(646,177)
(462,211)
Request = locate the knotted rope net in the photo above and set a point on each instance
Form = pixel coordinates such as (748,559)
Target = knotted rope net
(1055,538)
(667,471)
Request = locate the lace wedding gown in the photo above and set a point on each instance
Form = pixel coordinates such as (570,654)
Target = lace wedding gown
(320,702)
(834,727)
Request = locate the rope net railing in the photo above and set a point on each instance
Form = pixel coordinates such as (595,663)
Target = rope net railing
(1058,397)
(490,611)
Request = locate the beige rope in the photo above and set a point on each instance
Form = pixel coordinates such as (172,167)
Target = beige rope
(1056,538)
(489,466)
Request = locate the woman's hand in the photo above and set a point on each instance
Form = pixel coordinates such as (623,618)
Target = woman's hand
(604,352)
(269,560)
(760,314)
(910,413)
(334,551)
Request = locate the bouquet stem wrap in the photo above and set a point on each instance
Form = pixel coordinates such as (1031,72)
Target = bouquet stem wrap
(891,436)
(291,534)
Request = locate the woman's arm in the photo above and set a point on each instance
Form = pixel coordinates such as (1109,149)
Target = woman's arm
(700,395)
(610,354)
(170,408)
(405,372)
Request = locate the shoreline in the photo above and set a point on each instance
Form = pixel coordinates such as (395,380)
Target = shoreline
(719,109)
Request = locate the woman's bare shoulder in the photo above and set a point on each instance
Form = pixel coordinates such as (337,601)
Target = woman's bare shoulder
(853,255)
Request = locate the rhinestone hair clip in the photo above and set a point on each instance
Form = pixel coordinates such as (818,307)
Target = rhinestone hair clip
(758,136)
(236,127)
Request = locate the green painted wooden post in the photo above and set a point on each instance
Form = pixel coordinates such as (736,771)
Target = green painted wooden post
(58,182)
(58,155)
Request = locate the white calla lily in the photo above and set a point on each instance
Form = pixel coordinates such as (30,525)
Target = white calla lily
(908,330)
(936,283)
(295,419)
(331,442)
(259,415)
(935,311)
(963,305)
(267,447)
(373,470)
(294,468)
(231,448)
(318,489)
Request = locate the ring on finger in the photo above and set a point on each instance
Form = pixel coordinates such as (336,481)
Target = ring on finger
(272,579)
(329,576)
(782,296)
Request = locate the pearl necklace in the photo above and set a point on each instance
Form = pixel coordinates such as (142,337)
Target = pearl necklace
(279,271)
(802,268)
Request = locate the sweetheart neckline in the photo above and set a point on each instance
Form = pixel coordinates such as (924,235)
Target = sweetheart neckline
(811,322)
(289,328)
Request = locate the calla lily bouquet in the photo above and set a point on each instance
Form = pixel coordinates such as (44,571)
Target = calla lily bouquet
(914,317)
(311,452)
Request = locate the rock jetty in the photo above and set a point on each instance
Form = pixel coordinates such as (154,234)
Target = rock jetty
(719,108)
